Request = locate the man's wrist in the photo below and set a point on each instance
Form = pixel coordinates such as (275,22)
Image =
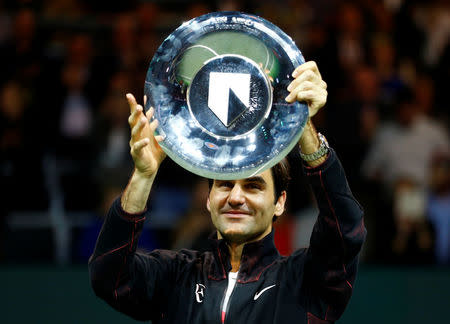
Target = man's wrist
(313,148)
(135,196)
(142,176)
(319,153)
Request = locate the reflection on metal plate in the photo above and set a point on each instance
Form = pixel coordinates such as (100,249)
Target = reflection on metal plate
(218,84)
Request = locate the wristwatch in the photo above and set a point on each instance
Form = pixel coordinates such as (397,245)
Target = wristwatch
(323,150)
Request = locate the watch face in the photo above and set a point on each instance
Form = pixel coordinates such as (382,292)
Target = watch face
(218,84)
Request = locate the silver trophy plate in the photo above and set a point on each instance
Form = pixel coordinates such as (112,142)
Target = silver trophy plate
(218,84)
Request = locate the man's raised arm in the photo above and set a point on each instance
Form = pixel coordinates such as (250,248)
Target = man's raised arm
(125,279)
(147,156)
(339,231)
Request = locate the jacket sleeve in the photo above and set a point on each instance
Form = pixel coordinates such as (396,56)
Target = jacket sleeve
(134,283)
(336,240)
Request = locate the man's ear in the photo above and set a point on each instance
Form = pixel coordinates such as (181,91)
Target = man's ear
(207,204)
(279,205)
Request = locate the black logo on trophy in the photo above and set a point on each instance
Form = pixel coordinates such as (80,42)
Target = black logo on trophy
(229,96)
(218,84)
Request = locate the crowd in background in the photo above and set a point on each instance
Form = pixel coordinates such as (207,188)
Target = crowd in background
(66,65)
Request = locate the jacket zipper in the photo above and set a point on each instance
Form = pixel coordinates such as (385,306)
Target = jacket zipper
(222,314)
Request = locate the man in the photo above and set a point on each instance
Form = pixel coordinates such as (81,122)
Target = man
(242,279)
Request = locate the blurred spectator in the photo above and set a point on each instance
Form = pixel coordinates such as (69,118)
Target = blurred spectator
(5,25)
(404,147)
(433,18)
(408,37)
(112,130)
(425,97)
(354,121)
(379,16)
(350,44)
(194,228)
(74,117)
(397,166)
(293,231)
(293,17)
(305,220)
(147,13)
(284,235)
(412,242)
(86,236)
(76,121)
(62,9)
(66,66)
(21,54)
(383,54)
(125,42)
(20,158)
(197,8)
(438,207)
(229,5)
(148,38)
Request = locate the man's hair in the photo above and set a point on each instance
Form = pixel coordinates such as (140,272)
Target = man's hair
(280,175)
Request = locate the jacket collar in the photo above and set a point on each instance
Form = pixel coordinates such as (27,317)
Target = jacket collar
(256,257)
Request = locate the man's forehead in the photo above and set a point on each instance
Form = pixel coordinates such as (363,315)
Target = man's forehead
(265,176)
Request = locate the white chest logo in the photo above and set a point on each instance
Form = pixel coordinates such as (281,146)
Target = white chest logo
(228,95)
(199,293)
(258,294)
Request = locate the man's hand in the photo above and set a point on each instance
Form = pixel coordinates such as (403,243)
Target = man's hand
(144,148)
(308,86)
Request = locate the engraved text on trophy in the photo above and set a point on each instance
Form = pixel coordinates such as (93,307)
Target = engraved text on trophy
(228,95)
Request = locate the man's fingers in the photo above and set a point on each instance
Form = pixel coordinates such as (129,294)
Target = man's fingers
(303,92)
(149,113)
(153,125)
(306,95)
(159,138)
(306,85)
(135,115)
(315,95)
(305,76)
(310,65)
(315,99)
(138,128)
(139,145)
(131,102)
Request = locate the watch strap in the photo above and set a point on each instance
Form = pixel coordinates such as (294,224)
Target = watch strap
(322,151)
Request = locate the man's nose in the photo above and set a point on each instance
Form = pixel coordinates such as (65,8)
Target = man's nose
(236,196)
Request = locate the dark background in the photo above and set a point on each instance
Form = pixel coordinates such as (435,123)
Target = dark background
(65,67)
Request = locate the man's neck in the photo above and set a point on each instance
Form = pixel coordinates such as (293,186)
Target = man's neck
(235,255)
(237,248)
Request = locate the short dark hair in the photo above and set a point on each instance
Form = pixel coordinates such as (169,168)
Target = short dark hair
(281,177)
(281,174)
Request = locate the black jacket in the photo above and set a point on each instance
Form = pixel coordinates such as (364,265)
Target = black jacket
(312,285)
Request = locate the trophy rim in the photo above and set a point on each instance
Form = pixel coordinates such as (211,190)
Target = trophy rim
(295,58)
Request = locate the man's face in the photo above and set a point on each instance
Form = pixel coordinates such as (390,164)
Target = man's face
(242,210)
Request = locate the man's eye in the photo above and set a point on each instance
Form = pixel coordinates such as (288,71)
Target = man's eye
(254,186)
(225,184)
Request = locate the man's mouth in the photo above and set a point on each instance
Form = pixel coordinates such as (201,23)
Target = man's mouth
(234,213)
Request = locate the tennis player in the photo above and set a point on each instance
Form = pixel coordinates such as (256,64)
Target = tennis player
(242,278)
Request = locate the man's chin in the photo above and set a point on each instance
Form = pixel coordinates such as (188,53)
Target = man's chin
(237,236)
